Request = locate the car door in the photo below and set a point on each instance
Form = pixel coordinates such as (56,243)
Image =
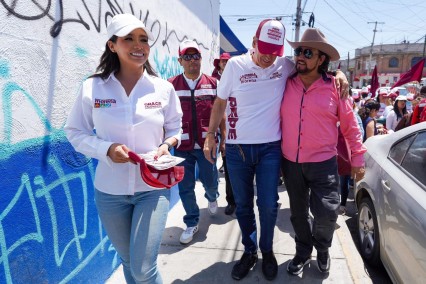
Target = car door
(403,183)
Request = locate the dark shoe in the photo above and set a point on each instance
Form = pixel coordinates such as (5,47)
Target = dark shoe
(229,209)
(296,265)
(269,265)
(243,266)
(323,261)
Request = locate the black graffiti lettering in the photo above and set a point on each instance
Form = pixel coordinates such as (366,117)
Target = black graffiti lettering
(95,19)
(44,11)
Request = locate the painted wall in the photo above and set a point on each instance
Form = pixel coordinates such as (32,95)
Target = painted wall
(49,228)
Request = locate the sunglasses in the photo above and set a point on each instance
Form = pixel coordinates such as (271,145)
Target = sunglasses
(307,53)
(188,57)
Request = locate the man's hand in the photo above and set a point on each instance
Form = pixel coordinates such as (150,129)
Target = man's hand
(357,173)
(342,84)
(118,153)
(210,148)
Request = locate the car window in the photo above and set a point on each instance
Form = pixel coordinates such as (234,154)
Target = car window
(398,150)
(415,159)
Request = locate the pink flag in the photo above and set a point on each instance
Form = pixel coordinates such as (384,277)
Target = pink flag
(374,82)
(414,74)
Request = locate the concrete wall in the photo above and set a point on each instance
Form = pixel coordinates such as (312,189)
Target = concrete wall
(49,228)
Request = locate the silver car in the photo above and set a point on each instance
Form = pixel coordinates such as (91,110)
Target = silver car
(391,201)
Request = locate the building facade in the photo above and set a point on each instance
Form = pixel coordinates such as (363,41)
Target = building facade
(391,59)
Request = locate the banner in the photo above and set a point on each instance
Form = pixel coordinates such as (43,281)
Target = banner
(414,74)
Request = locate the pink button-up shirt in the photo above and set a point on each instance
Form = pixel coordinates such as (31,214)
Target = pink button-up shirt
(309,123)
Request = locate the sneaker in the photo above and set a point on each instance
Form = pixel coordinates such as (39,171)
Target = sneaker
(342,210)
(297,264)
(243,266)
(229,209)
(188,234)
(212,207)
(269,265)
(323,261)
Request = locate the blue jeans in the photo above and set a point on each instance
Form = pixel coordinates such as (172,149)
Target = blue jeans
(245,161)
(312,186)
(208,176)
(135,225)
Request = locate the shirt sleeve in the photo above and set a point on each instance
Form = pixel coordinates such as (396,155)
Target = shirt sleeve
(224,89)
(173,117)
(390,122)
(351,132)
(79,127)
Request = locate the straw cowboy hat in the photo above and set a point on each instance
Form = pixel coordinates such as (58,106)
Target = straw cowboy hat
(314,38)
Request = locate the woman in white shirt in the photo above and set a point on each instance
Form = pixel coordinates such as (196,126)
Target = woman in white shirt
(395,115)
(126,107)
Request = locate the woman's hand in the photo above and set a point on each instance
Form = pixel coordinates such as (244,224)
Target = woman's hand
(118,153)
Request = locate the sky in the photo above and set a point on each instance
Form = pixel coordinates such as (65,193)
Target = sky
(346,24)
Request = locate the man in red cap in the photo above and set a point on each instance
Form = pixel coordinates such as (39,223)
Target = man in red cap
(197,92)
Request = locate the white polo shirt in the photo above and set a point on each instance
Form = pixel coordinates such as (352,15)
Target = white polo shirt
(254,97)
(103,114)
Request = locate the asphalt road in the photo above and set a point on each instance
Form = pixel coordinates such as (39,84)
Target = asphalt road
(377,274)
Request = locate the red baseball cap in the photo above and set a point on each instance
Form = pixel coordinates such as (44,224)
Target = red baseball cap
(188,44)
(270,37)
(225,56)
(158,178)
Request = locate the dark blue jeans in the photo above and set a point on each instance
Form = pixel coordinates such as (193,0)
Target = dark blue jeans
(312,186)
(208,177)
(245,161)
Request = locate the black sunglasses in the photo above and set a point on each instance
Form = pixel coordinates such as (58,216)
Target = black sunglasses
(307,53)
(188,57)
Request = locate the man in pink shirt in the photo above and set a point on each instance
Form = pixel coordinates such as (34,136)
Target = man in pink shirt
(310,111)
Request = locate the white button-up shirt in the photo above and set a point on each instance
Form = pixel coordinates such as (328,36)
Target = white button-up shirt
(103,114)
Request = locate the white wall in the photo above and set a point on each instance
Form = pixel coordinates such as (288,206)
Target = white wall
(49,229)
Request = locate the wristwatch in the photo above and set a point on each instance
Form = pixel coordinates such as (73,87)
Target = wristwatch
(168,145)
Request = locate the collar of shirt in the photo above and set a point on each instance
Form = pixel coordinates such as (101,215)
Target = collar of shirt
(112,77)
(192,83)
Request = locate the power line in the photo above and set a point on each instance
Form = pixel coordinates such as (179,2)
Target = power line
(345,20)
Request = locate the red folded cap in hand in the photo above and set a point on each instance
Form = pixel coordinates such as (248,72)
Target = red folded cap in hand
(158,178)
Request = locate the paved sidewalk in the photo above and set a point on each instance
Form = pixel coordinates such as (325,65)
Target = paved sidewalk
(209,258)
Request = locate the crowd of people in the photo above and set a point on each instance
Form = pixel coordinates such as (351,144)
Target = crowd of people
(389,111)
(264,114)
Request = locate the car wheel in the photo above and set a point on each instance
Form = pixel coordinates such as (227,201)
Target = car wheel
(368,232)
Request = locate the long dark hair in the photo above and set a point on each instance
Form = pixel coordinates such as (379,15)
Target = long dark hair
(396,109)
(323,68)
(364,112)
(109,63)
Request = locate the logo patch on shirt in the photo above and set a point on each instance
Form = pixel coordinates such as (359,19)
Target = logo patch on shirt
(246,78)
(104,103)
(152,105)
(205,86)
(276,75)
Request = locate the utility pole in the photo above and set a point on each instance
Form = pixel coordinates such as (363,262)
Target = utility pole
(372,43)
(298,20)
(424,47)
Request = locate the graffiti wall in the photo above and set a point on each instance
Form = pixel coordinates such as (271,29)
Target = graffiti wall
(49,228)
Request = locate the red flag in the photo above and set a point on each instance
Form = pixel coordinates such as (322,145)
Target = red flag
(374,82)
(414,74)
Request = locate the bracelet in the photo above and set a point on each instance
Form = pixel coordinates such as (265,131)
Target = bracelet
(211,132)
(168,145)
